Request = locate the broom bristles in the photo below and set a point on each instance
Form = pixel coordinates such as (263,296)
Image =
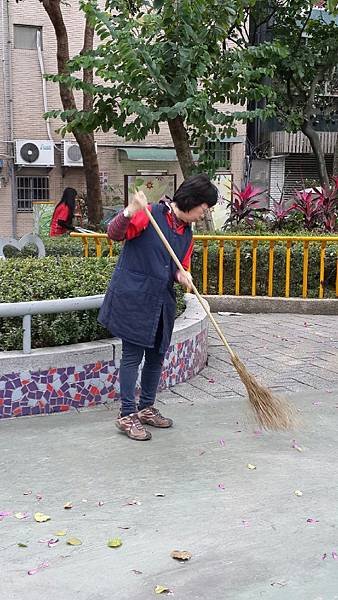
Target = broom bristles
(270,411)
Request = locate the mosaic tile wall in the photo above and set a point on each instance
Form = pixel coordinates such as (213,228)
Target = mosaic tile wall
(59,390)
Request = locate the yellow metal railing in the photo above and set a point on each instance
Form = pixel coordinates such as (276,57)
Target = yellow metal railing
(255,241)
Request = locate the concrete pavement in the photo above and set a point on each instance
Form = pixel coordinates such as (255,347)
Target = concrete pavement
(250,535)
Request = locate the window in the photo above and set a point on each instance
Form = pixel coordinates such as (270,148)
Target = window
(220,152)
(29,189)
(25,36)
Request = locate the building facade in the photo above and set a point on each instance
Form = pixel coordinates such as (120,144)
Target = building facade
(35,163)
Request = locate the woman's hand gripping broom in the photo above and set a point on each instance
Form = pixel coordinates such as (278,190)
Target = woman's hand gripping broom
(270,411)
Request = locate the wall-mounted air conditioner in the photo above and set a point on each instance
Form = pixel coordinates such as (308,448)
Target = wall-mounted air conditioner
(71,154)
(34,153)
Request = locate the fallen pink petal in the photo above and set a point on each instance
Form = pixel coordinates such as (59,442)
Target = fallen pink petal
(221,486)
(222,442)
(100,503)
(334,555)
(258,432)
(43,565)
(245,523)
(296,446)
(211,381)
(312,521)
(5,513)
(324,556)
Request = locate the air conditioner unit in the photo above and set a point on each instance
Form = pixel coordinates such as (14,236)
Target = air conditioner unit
(34,153)
(71,154)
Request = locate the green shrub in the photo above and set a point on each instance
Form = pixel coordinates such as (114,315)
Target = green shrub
(49,278)
(61,246)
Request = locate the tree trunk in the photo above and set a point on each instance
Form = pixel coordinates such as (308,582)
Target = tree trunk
(181,142)
(180,139)
(335,159)
(316,146)
(85,140)
(91,171)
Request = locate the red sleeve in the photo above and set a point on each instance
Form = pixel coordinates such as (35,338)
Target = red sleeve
(186,260)
(138,223)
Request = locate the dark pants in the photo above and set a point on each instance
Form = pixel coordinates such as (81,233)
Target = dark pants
(132,356)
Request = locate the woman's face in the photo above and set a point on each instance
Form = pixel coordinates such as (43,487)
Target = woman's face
(196,214)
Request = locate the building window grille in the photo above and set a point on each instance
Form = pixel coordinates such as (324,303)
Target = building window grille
(220,153)
(29,189)
(25,37)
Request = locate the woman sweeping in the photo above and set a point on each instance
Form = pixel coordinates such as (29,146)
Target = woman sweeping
(139,306)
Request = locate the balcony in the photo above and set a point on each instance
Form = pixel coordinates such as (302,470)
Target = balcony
(296,143)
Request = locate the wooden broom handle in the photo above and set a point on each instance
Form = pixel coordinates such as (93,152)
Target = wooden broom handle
(203,303)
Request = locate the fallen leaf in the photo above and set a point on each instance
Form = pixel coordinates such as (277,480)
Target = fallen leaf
(43,565)
(27,492)
(182,555)
(100,503)
(38,497)
(221,486)
(280,583)
(74,542)
(52,542)
(211,381)
(61,533)
(324,556)
(133,503)
(41,518)
(21,515)
(136,572)
(298,493)
(251,467)
(160,495)
(114,543)
(121,527)
(22,545)
(202,452)
(68,505)
(161,589)
(312,521)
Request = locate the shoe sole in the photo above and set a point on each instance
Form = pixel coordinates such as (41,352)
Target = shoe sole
(157,426)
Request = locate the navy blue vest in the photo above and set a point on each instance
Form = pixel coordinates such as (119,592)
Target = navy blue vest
(141,286)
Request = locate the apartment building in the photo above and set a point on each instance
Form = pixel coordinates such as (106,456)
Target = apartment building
(35,163)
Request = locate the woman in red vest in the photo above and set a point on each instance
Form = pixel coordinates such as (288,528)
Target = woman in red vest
(62,219)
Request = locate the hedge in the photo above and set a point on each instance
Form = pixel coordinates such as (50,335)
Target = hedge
(50,278)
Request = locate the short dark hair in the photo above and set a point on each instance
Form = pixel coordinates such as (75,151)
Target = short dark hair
(194,191)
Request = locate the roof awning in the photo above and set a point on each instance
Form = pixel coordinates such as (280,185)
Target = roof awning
(151,154)
(237,139)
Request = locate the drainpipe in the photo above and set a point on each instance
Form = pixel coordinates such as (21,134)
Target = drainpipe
(8,105)
(44,83)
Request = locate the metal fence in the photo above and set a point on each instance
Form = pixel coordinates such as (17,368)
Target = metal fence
(43,307)
(307,242)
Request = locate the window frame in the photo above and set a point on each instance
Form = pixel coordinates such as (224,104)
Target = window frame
(30,191)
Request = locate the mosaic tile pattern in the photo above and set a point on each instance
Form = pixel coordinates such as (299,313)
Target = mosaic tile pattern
(59,390)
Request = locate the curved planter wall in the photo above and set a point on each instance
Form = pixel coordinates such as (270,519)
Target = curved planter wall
(57,379)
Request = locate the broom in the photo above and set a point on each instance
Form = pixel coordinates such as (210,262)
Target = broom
(270,411)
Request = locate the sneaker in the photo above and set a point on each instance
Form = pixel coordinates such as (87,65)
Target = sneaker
(152,416)
(132,427)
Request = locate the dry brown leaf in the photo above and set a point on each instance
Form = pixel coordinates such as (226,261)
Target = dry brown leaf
(181,555)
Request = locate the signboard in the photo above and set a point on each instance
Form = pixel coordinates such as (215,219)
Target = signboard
(223,182)
(42,216)
(154,186)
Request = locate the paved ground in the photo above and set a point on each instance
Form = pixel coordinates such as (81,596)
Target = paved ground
(247,530)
